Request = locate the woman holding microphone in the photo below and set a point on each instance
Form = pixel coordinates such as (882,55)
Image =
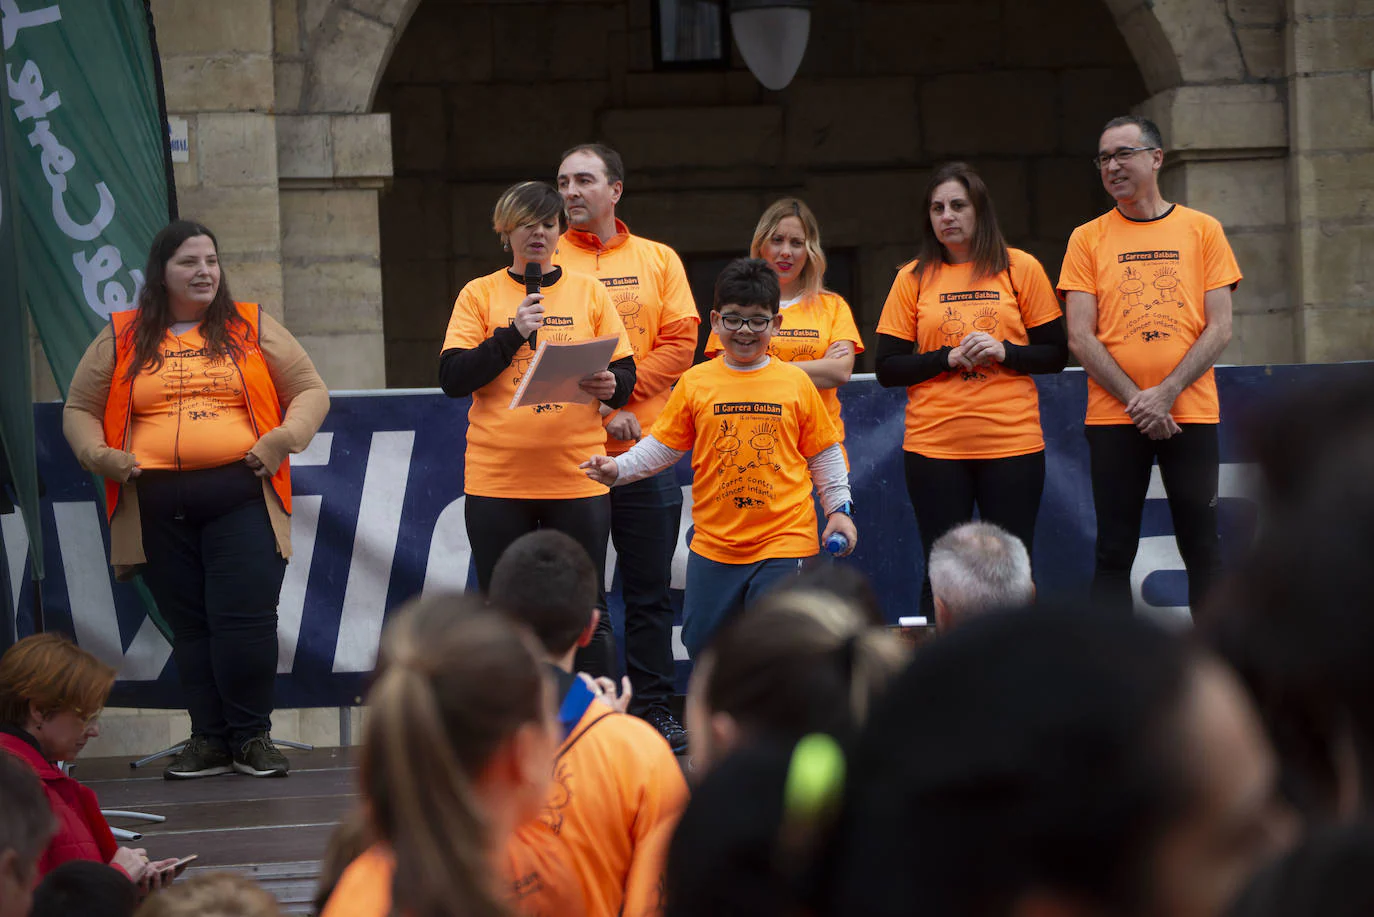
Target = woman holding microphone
(521,469)
(963,327)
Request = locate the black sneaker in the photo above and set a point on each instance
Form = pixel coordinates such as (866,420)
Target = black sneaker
(668,727)
(201,756)
(258,757)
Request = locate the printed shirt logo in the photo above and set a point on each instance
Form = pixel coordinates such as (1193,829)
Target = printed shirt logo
(745,447)
(963,315)
(1150,296)
(196,386)
(1161,255)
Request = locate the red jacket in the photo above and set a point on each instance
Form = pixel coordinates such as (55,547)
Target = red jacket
(82,832)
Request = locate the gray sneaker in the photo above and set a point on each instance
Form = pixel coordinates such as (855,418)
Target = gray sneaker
(258,757)
(201,756)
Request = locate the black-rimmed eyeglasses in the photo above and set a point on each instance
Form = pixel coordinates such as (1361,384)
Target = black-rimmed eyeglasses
(1103,160)
(732,321)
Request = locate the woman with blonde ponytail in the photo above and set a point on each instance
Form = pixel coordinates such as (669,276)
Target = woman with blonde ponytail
(800,662)
(457,758)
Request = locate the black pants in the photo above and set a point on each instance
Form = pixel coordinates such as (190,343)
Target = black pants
(944,491)
(645,517)
(494,523)
(215,573)
(1121,458)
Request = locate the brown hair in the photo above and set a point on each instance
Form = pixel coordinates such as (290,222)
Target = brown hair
(813,273)
(614,165)
(800,661)
(989,248)
(222,326)
(454,682)
(26,819)
(350,840)
(218,894)
(548,583)
(53,674)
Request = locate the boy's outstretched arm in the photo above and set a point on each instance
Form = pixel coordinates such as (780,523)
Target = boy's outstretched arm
(646,457)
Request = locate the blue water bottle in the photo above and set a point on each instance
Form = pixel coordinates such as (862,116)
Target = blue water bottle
(837,544)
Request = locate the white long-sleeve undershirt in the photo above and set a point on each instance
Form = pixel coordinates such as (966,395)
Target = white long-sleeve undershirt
(828,472)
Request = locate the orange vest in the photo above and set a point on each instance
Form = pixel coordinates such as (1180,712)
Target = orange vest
(263,407)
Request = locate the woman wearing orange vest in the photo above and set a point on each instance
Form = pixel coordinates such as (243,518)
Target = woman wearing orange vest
(818,331)
(963,327)
(188,406)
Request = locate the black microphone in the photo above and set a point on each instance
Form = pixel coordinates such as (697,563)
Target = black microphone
(533,277)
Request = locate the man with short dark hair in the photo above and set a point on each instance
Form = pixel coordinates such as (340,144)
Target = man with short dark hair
(1148,291)
(649,286)
(978,567)
(26,826)
(617,790)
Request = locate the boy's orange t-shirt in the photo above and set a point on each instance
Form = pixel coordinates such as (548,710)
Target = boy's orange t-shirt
(537,879)
(989,411)
(193,413)
(616,796)
(648,285)
(533,451)
(1150,278)
(750,433)
(808,328)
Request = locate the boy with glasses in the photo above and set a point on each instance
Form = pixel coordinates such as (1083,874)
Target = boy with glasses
(1148,299)
(760,438)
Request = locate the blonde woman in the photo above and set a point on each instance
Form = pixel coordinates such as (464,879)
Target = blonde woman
(818,331)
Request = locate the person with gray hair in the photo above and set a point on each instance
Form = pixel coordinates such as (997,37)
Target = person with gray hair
(978,567)
(26,824)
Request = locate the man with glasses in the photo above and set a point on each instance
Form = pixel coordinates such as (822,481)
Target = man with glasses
(1148,299)
(649,286)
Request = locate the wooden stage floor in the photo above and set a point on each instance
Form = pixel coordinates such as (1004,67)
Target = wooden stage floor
(274,830)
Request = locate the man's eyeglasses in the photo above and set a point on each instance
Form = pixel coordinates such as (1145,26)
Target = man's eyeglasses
(1121,155)
(733,321)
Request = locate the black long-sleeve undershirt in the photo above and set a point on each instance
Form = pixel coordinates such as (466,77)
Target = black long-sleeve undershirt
(1047,351)
(464,371)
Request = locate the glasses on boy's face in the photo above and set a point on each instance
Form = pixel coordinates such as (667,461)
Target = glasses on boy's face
(733,321)
(1102,160)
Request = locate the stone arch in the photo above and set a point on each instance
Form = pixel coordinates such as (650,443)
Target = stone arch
(348,46)
(1177,42)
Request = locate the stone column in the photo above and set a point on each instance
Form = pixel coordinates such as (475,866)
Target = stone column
(1330,56)
(218,73)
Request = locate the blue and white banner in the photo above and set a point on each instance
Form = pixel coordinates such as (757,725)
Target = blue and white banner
(379,518)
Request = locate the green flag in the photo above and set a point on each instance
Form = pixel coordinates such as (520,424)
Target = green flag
(89,158)
(16,411)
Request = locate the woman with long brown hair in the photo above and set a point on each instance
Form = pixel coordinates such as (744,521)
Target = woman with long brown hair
(964,326)
(457,756)
(188,406)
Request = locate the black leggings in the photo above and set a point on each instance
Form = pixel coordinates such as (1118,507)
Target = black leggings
(944,491)
(1121,457)
(493,523)
(215,573)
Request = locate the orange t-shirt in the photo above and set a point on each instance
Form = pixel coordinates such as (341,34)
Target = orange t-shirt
(616,796)
(750,433)
(542,443)
(193,413)
(1150,278)
(989,411)
(808,328)
(536,876)
(648,285)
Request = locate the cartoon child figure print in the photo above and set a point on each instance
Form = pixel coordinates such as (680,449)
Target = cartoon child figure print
(953,326)
(1166,282)
(628,305)
(727,444)
(1131,287)
(764,441)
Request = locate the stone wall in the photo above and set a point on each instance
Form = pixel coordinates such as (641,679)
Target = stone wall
(887,90)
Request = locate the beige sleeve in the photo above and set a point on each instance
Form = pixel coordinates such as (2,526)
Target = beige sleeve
(83,416)
(302,393)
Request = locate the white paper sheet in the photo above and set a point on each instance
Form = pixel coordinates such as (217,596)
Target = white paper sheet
(558,366)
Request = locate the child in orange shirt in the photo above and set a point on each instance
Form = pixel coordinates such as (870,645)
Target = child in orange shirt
(760,438)
(618,790)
